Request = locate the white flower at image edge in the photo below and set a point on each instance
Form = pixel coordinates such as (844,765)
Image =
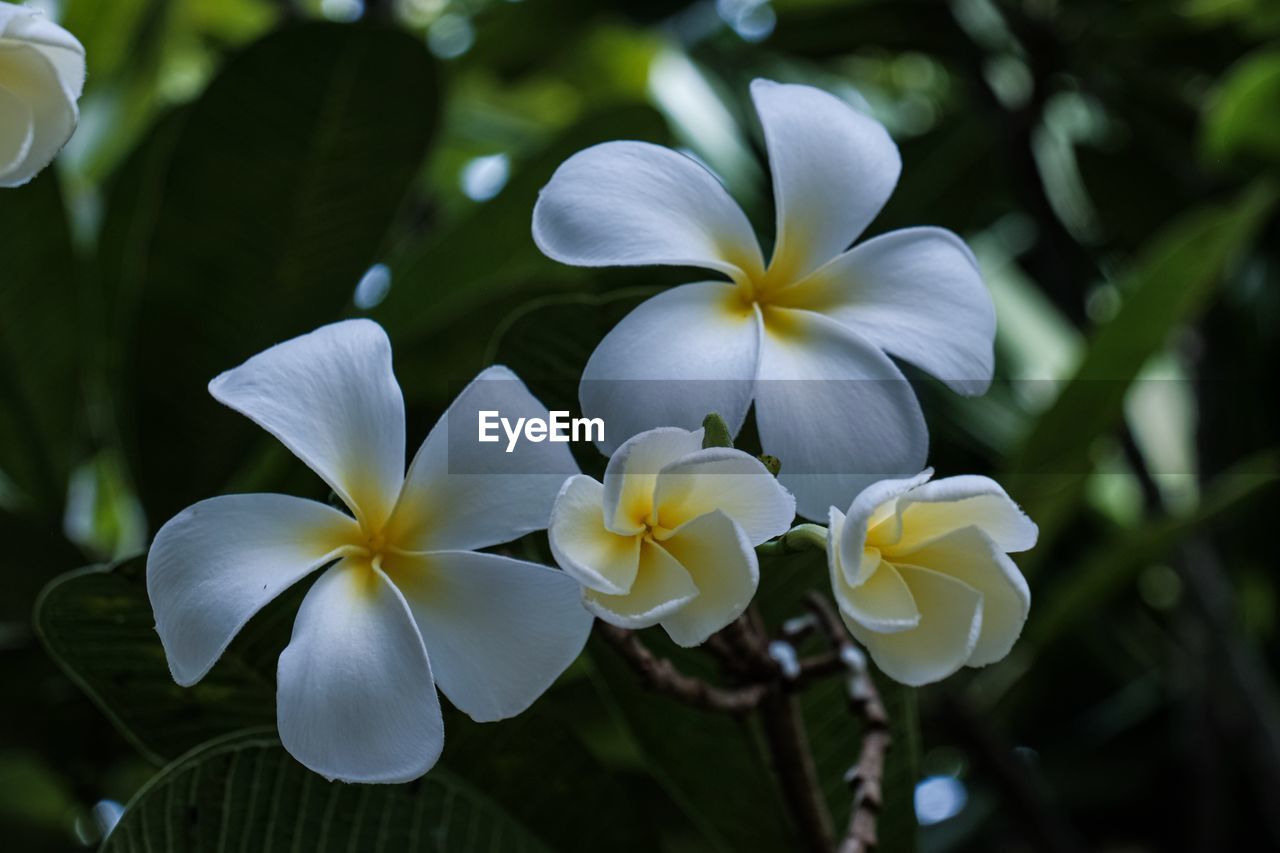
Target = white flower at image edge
(669,537)
(408,604)
(921,573)
(804,337)
(41,78)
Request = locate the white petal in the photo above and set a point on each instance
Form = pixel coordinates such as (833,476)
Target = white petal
(17,132)
(61,47)
(833,169)
(722,563)
(10,14)
(636,204)
(676,358)
(721,478)
(835,535)
(356,698)
(837,413)
(330,397)
(950,620)
(881,601)
(968,555)
(873,507)
(935,509)
(662,586)
(30,76)
(465,494)
(631,476)
(917,294)
(498,631)
(218,562)
(588,551)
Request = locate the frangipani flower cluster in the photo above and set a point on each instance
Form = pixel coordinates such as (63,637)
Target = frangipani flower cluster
(669,537)
(921,573)
(41,78)
(807,336)
(408,603)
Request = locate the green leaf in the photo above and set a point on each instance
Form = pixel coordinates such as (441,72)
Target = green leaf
(244,792)
(248,220)
(39,332)
(491,252)
(451,291)
(897,827)
(1112,565)
(550,339)
(710,764)
(545,744)
(1168,286)
(97,624)
(1242,119)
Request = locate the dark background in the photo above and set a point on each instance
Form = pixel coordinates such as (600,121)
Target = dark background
(242,165)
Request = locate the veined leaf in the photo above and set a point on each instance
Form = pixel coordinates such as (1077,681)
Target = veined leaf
(97,624)
(244,792)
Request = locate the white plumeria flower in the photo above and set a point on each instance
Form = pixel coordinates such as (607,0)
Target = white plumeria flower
(921,573)
(815,312)
(41,78)
(408,605)
(669,537)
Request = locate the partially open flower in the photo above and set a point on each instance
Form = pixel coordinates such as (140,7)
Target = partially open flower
(41,77)
(669,537)
(921,573)
(407,604)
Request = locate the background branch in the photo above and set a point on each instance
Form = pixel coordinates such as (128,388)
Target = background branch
(792,760)
(663,676)
(864,700)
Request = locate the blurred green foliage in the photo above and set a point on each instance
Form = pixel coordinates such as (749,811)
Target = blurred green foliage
(242,166)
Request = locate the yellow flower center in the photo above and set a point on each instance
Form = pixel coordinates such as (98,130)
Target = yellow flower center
(371,550)
(375,544)
(654,530)
(774,291)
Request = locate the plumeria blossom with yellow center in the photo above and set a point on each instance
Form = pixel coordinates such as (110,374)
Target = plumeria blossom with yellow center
(41,78)
(922,575)
(407,603)
(807,336)
(669,537)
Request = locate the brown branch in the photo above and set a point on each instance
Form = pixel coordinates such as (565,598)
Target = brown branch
(729,656)
(793,762)
(662,675)
(784,731)
(744,651)
(864,700)
(817,667)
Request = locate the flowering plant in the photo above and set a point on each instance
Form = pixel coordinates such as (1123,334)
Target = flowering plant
(413,437)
